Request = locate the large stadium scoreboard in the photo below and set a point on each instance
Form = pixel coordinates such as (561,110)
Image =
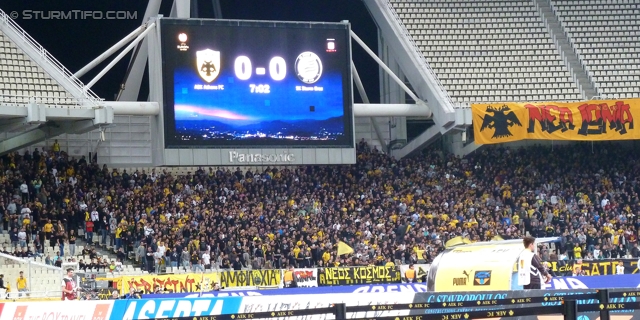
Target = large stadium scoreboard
(256,92)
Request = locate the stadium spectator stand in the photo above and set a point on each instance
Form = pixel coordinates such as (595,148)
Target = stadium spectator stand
(488,50)
(21,78)
(605,36)
(382,207)
(389,211)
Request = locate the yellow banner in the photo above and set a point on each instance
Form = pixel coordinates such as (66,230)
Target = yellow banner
(249,278)
(595,120)
(176,283)
(477,268)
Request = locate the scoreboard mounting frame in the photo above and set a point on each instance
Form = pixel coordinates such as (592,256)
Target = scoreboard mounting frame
(300,82)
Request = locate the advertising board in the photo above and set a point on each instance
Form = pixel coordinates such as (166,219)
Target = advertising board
(196,307)
(255,84)
(276,303)
(600,282)
(173,308)
(415,306)
(488,301)
(57,310)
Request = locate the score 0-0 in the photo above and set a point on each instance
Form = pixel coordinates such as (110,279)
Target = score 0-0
(244,71)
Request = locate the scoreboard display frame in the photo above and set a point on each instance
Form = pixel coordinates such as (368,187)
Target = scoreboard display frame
(245,85)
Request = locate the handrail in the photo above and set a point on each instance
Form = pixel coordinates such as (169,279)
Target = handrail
(417,50)
(28,261)
(88,94)
(573,46)
(41,99)
(30,294)
(556,43)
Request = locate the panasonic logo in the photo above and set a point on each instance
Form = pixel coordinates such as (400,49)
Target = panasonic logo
(235,157)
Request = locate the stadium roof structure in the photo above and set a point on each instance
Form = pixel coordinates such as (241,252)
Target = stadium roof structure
(417,107)
(41,99)
(458,52)
(440,56)
(49,100)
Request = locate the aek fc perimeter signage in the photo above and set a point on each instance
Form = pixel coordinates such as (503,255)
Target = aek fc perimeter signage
(247,85)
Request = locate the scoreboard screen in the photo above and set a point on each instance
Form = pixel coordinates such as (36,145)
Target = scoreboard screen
(253,84)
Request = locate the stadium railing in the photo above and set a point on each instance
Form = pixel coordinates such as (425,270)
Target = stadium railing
(567,306)
(42,280)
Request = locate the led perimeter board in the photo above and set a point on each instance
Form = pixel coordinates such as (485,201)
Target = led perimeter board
(256,85)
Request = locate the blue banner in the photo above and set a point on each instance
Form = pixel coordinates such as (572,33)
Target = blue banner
(559,283)
(173,308)
(407,287)
(592,282)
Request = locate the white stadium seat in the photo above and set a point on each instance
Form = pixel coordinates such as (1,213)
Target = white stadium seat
(605,36)
(25,79)
(488,51)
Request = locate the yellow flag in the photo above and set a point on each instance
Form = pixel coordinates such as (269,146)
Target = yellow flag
(344,248)
(497,238)
(456,241)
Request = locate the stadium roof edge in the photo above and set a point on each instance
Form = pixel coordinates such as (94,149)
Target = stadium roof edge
(418,72)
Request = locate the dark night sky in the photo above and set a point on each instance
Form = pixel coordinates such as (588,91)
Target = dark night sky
(75,42)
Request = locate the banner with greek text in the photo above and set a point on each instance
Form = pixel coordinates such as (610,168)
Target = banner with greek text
(176,283)
(250,278)
(592,267)
(594,120)
(358,275)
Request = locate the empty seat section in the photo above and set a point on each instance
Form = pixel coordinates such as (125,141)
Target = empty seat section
(488,51)
(21,78)
(604,34)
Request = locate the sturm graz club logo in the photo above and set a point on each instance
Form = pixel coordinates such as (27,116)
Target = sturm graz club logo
(501,120)
(308,67)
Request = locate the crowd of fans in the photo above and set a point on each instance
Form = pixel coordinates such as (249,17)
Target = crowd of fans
(389,211)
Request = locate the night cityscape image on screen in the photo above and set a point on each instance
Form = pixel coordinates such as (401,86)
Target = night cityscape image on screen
(236,115)
(236,92)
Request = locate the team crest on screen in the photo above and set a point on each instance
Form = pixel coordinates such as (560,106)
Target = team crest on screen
(308,67)
(208,64)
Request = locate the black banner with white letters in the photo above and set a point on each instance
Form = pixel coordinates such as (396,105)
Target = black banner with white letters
(567,268)
(358,275)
